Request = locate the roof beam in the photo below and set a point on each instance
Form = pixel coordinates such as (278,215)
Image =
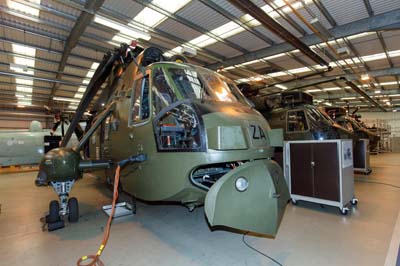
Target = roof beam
(190,24)
(339,96)
(269,23)
(368,7)
(374,73)
(325,12)
(24,76)
(81,24)
(364,25)
(211,4)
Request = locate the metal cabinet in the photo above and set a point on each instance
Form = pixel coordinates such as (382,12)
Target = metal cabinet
(321,172)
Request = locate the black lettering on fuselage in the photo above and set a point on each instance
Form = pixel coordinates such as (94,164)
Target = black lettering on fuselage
(258,133)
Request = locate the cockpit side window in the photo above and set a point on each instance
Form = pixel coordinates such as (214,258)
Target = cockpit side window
(163,95)
(140,108)
(296,121)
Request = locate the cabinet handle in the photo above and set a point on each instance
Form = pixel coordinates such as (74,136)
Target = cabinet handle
(312,164)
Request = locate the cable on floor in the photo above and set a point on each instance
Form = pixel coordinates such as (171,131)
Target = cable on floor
(94,260)
(376,182)
(256,250)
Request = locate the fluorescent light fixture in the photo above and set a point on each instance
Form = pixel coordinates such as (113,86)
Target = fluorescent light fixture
(332,89)
(385,100)
(86,81)
(259,78)
(23,49)
(386,83)
(152,18)
(364,77)
(81,89)
(24,8)
(328,103)
(127,31)
(377,91)
(149,17)
(94,65)
(388,103)
(394,95)
(23,89)
(282,87)
(19,95)
(348,98)
(313,90)
(65,99)
(78,95)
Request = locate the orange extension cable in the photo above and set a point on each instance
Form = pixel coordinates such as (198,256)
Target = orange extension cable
(94,260)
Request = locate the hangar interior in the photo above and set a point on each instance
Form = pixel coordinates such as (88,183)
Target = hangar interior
(239,127)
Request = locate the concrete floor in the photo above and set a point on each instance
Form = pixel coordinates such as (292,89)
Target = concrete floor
(170,235)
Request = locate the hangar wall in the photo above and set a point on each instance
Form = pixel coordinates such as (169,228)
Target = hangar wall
(391,119)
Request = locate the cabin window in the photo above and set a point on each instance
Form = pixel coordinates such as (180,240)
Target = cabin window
(163,95)
(297,121)
(140,108)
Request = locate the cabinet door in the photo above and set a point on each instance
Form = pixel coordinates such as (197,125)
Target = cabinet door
(301,172)
(326,171)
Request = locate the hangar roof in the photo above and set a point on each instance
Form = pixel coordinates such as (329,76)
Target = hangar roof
(40,65)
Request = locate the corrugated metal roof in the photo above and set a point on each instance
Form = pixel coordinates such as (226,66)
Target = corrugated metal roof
(201,15)
(128,8)
(172,27)
(223,49)
(268,33)
(248,41)
(229,8)
(392,40)
(345,11)
(382,6)
(370,47)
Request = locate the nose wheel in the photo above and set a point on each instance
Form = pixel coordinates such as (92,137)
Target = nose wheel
(62,208)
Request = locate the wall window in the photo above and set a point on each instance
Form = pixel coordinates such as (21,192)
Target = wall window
(297,121)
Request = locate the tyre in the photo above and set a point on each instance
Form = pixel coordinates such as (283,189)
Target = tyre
(73,210)
(344,211)
(54,212)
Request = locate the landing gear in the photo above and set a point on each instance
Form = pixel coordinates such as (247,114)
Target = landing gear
(64,207)
(54,212)
(73,210)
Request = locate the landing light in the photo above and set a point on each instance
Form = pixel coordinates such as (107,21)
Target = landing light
(241,184)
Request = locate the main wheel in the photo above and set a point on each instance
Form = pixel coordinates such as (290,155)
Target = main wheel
(54,212)
(344,211)
(73,210)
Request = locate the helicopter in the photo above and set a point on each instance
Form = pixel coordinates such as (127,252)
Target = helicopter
(27,146)
(353,124)
(294,112)
(183,133)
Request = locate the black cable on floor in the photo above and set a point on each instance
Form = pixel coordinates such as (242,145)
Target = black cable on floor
(256,250)
(376,182)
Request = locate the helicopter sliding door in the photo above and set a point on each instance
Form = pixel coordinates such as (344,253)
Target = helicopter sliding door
(251,197)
